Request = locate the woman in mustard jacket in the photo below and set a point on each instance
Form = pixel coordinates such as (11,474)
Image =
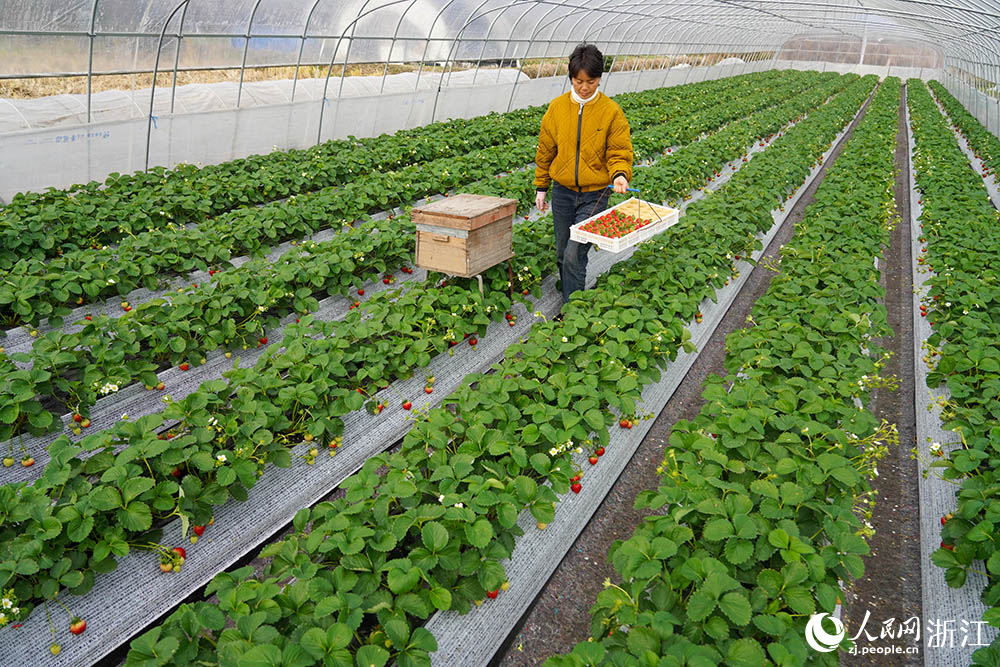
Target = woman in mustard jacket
(584,145)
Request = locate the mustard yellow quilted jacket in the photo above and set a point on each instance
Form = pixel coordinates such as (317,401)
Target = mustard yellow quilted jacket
(583,146)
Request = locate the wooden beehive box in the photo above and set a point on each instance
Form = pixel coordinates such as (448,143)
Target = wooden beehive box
(464,235)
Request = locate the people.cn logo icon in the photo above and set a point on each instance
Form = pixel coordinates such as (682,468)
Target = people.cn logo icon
(821,640)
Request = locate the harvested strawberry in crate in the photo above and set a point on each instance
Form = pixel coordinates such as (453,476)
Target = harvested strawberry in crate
(624,225)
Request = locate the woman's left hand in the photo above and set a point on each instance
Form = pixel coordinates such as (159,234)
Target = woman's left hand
(621,185)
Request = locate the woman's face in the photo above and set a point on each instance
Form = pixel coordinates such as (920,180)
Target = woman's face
(583,84)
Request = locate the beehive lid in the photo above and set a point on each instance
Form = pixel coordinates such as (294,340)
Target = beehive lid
(464,211)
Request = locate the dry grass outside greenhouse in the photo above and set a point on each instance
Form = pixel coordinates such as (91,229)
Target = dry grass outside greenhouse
(33,87)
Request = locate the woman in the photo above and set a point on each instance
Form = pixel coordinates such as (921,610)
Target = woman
(584,145)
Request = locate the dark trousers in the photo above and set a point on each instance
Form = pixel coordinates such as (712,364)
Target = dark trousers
(568,208)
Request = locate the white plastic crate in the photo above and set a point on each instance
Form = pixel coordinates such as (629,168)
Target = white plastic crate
(662,216)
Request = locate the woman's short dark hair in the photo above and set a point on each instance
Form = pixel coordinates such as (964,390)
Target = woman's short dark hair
(588,58)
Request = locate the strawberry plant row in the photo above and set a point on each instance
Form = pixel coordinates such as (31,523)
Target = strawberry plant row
(960,237)
(93,215)
(755,517)
(428,531)
(984,144)
(243,304)
(141,435)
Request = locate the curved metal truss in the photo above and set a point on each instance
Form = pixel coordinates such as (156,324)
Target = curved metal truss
(95,37)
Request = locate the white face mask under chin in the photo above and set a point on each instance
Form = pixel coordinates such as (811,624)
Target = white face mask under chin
(580,100)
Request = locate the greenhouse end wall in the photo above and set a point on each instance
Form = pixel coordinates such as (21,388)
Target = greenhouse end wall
(59,157)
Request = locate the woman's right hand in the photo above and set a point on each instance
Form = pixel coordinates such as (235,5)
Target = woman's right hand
(540,202)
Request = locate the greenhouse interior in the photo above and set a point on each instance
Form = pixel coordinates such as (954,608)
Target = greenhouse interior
(499,333)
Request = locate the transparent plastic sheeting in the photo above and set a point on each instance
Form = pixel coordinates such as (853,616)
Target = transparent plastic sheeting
(32,160)
(117,105)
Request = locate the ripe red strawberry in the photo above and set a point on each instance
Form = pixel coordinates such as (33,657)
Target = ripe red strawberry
(263,340)
(88,318)
(176,472)
(576,487)
(493,594)
(199,530)
(428,390)
(160,386)
(949,547)
(473,341)
(593,460)
(407,405)
(509,316)
(525,292)
(574,478)
(599,451)
(452,343)
(361,292)
(78,418)
(28,461)
(386,281)
(127,308)
(361,391)
(77,625)
(180,552)
(184,366)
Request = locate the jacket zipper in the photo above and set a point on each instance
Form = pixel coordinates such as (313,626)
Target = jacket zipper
(579,127)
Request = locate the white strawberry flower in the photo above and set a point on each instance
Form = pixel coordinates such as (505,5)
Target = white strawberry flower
(261,309)
(15,611)
(111,281)
(124,416)
(221,458)
(553,452)
(565,340)
(441,498)
(3,618)
(7,604)
(459,505)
